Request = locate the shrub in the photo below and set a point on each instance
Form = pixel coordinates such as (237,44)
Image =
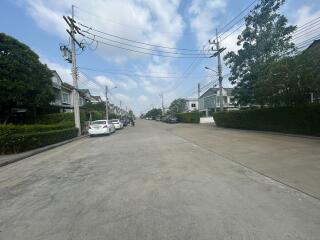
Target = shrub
(298,120)
(19,142)
(190,117)
(54,118)
(15,129)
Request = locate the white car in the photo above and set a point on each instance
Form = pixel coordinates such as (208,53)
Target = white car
(100,127)
(117,123)
(113,129)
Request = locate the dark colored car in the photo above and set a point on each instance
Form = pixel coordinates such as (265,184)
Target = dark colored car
(172,120)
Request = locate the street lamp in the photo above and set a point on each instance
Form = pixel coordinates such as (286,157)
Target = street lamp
(107,101)
(211,70)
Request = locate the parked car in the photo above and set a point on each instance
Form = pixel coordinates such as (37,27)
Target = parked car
(164,118)
(117,123)
(100,127)
(158,118)
(172,120)
(113,129)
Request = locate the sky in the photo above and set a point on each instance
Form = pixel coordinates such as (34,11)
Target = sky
(139,78)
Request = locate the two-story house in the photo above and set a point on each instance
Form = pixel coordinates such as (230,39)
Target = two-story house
(62,93)
(64,97)
(210,101)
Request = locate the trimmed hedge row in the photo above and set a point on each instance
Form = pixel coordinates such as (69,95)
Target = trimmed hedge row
(15,129)
(55,118)
(190,117)
(298,120)
(19,142)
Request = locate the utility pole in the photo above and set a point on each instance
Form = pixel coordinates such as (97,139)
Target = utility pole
(199,101)
(217,53)
(75,78)
(219,71)
(161,95)
(66,53)
(107,104)
(120,110)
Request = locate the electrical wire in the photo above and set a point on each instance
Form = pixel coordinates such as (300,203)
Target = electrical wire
(149,49)
(133,74)
(138,42)
(140,52)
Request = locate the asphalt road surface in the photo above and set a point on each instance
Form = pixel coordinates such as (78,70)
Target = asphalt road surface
(145,182)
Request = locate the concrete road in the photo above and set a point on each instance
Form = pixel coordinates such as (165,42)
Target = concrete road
(147,183)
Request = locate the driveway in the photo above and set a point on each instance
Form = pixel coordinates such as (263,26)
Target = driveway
(147,182)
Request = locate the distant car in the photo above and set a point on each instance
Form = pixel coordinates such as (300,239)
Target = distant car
(117,123)
(164,118)
(172,120)
(100,127)
(158,118)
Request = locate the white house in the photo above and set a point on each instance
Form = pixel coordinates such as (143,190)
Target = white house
(210,100)
(191,104)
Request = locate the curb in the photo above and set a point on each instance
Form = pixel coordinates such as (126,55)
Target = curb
(5,160)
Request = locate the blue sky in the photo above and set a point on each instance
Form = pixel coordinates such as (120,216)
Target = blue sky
(139,78)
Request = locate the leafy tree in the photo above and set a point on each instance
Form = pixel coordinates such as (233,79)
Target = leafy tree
(265,39)
(154,112)
(290,81)
(131,115)
(101,106)
(24,80)
(178,106)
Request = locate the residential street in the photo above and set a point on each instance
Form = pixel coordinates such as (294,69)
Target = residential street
(160,181)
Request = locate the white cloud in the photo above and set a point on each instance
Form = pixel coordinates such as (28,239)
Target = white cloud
(304,15)
(103,81)
(203,19)
(153,22)
(142,99)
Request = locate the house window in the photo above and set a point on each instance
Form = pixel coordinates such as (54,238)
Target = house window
(65,98)
(193,105)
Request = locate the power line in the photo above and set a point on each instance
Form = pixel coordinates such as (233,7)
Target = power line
(133,74)
(149,49)
(136,51)
(244,10)
(135,41)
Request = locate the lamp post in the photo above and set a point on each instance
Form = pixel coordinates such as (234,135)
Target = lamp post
(107,102)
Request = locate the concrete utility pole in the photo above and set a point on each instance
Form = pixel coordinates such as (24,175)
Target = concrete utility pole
(107,104)
(217,53)
(75,92)
(199,101)
(120,110)
(70,56)
(161,95)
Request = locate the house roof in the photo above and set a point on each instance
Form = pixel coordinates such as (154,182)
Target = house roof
(97,98)
(212,91)
(67,85)
(191,99)
(314,44)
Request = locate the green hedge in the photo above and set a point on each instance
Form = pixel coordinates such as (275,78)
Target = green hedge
(15,129)
(19,142)
(55,118)
(299,120)
(190,117)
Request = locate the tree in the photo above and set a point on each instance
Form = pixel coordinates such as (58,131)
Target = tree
(155,112)
(100,107)
(178,106)
(265,39)
(24,80)
(291,80)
